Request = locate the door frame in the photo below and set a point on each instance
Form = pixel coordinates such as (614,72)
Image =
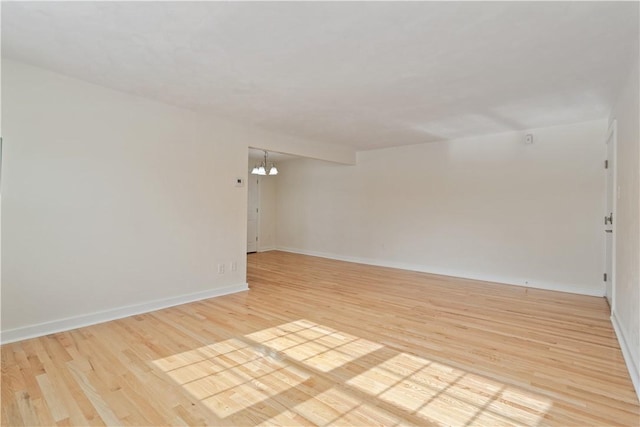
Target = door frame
(612,137)
(258,211)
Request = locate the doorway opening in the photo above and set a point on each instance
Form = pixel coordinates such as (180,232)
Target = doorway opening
(261,199)
(253,213)
(610,216)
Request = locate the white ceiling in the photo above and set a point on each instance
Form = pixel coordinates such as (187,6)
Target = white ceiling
(364,74)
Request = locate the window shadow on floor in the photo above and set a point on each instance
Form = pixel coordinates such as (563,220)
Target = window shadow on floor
(302,372)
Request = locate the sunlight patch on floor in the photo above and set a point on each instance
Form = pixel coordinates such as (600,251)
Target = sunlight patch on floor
(317,346)
(444,394)
(301,372)
(231,375)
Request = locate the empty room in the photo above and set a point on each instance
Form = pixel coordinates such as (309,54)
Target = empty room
(320,213)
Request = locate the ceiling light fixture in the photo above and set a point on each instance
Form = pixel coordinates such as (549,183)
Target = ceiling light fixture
(261,169)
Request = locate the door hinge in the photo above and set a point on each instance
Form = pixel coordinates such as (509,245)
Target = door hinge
(605,277)
(606,164)
(256,238)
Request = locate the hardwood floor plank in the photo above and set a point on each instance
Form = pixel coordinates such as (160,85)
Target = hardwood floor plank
(63,385)
(26,408)
(323,342)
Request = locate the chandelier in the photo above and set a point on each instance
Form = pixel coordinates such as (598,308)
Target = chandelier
(264,167)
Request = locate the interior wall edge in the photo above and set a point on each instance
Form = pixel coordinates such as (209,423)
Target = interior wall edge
(632,365)
(66,324)
(286,144)
(558,287)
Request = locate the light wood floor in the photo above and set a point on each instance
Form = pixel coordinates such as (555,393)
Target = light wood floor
(324,342)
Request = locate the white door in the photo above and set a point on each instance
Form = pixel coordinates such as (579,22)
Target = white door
(252,214)
(609,219)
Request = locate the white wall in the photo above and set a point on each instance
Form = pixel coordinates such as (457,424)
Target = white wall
(113,204)
(626,300)
(110,200)
(489,207)
(268,208)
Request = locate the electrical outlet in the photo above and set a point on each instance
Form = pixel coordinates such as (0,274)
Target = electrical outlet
(234,266)
(220,268)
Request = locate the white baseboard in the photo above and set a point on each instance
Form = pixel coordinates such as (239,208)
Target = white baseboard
(632,366)
(61,325)
(560,287)
(267,249)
